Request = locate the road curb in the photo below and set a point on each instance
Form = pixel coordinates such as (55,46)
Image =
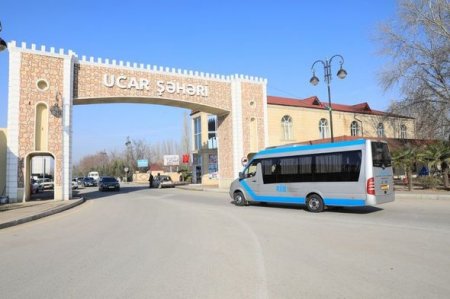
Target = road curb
(189,188)
(202,189)
(422,196)
(41,215)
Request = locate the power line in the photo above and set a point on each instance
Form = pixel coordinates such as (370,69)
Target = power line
(284,91)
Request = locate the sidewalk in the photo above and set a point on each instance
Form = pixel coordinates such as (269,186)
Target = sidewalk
(18,213)
(200,187)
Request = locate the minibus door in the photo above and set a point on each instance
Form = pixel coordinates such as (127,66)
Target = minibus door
(252,179)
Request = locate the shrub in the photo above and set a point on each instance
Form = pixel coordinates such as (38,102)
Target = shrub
(429,182)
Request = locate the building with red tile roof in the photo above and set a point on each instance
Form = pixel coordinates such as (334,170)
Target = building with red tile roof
(291,120)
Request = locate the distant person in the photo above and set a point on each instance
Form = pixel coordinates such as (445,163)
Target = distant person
(150,179)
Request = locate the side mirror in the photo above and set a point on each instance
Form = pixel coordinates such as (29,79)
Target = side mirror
(241,175)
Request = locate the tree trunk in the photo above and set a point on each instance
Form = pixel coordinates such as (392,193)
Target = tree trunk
(446,177)
(409,176)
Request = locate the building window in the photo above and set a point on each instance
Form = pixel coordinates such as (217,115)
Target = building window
(286,124)
(197,133)
(403,132)
(323,128)
(212,166)
(212,127)
(380,130)
(354,129)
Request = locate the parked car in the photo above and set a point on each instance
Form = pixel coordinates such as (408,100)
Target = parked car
(46,183)
(74,184)
(80,180)
(164,181)
(95,175)
(35,187)
(108,183)
(89,182)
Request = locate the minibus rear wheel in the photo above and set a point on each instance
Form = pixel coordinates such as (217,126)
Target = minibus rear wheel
(239,199)
(314,203)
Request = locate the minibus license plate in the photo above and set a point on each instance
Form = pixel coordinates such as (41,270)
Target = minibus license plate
(384,187)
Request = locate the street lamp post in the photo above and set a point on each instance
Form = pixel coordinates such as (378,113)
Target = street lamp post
(341,74)
(126,170)
(128,146)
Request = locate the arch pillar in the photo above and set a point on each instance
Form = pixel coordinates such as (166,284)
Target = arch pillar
(12,155)
(55,72)
(67,99)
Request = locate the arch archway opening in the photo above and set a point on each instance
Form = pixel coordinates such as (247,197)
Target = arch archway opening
(39,177)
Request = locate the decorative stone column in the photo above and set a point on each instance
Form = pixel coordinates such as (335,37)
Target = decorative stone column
(12,155)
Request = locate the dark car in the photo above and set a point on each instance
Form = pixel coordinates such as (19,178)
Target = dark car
(79,179)
(89,182)
(108,183)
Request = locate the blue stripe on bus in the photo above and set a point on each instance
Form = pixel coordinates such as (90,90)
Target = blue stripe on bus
(295,148)
(285,199)
(343,202)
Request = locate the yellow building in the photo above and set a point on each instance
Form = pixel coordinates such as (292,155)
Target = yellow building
(297,120)
(293,120)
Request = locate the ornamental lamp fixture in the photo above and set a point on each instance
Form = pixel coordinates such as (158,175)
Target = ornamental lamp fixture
(341,74)
(314,80)
(55,110)
(3,44)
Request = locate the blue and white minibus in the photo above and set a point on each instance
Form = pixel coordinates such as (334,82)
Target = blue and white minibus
(348,174)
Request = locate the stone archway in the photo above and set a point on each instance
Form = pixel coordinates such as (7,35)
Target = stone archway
(61,80)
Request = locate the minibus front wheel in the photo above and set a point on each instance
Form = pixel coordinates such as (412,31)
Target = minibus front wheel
(314,203)
(239,199)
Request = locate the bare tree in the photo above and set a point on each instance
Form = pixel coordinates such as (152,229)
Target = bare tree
(97,162)
(418,41)
(141,149)
(115,162)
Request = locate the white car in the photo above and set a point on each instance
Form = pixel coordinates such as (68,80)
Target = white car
(74,184)
(46,183)
(35,187)
(163,181)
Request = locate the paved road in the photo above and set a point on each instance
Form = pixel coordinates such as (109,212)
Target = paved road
(143,243)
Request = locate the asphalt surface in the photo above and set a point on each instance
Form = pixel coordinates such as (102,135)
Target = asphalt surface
(143,243)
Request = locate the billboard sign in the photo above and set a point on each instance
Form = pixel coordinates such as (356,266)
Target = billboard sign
(171,160)
(142,163)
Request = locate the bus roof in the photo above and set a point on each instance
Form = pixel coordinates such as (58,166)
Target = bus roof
(306,147)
